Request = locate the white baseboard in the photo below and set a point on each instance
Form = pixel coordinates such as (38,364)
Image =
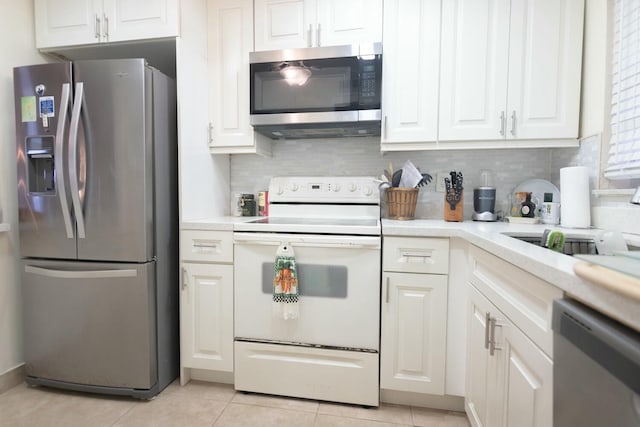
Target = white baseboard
(12,378)
(447,403)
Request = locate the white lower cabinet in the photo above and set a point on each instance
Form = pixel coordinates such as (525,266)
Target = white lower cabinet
(509,375)
(414,327)
(207,316)
(414,314)
(206,302)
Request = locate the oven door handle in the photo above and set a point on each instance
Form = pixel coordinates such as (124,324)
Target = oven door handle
(350,242)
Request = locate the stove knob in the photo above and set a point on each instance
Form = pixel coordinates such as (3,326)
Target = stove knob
(293,186)
(353,187)
(367,191)
(335,188)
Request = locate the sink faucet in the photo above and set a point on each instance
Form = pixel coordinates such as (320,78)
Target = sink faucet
(635,199)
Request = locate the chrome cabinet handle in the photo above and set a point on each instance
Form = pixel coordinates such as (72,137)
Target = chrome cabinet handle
(309,41)
(503,120)
(106,27)
(513,123)
(60,177)
(487,321)
(492,341)
(386,126)
(97,27)
(318,36)
(387,291)
(185,279)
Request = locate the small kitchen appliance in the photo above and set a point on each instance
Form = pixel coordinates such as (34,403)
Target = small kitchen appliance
(317,92)
(484,200)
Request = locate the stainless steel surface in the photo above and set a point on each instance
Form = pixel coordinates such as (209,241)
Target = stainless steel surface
(117,127)
(59,156)
(90,323)
(596,369)
(502,122)
(386,126)
(484,216)
(513,123)
(96,27)
(309,41)
(74,179)
(572,245)
(106,27)
(635,199)
(109,325)
(329,117)
(43,231)
(315,53)
(386,299)
(318,42)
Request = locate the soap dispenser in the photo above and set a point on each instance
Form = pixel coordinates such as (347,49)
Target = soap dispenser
(528,208)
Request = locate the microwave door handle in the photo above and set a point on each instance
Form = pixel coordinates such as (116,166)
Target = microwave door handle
(58,160)
(73,153)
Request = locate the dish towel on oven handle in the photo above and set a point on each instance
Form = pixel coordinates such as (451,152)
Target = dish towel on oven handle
(285,283)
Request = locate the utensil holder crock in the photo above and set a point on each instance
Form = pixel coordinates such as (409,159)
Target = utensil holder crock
(401,203)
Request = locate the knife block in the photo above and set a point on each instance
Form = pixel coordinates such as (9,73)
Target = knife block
(453,215)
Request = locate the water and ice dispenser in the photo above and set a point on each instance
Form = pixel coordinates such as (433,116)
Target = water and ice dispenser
(40,164)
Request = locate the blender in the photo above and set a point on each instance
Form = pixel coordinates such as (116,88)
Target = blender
(484,199)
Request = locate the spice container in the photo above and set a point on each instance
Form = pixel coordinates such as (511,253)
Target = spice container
(248,204)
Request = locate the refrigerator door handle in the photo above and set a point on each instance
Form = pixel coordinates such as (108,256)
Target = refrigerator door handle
(73,153)
(59,153)
(73,274)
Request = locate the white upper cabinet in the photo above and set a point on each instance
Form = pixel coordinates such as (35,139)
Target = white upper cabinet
(284,24)
(510,69)
(410,72)
(230,28)
(78,22)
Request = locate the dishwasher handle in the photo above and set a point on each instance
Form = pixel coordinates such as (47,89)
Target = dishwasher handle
(609,343)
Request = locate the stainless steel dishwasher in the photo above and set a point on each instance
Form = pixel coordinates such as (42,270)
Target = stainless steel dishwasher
(596,370)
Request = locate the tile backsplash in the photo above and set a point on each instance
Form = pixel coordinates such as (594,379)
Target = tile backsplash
(362,156)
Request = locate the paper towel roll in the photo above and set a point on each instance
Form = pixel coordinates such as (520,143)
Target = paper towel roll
(575,203)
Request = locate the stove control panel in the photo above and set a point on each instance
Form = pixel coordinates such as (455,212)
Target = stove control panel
(326,190)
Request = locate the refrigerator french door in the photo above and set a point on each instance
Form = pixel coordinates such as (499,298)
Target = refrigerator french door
(97,189)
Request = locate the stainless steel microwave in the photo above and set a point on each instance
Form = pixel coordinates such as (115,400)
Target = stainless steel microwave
(317,92)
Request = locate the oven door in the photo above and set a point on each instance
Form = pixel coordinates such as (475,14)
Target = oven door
(339,290)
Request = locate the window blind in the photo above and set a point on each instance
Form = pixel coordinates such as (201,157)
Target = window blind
(624,146)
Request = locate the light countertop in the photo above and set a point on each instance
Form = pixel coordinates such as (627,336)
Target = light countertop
(548,265)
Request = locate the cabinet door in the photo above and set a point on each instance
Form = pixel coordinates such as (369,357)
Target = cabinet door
(284,24)
(477,370)
(410,83)
(343,22)
(528,382)
(414,324)
(206,317)
(141,19)
(473,83)
(545,54)
(67,23)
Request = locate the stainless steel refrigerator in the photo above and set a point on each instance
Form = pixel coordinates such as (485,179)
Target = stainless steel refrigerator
(97,189)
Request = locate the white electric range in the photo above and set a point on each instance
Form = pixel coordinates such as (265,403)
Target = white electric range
(331,351)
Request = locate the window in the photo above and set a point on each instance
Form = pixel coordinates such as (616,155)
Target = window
(624,145)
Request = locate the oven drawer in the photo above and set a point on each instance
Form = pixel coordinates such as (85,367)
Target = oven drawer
(206,246)
(416,255)
(310,373)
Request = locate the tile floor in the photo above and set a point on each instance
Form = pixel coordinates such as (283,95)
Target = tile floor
(202,404)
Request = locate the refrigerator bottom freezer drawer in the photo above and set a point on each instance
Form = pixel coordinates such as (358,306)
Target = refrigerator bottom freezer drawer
(311,373)
(90,323)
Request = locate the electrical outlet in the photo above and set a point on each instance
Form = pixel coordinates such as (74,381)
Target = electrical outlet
(440,176)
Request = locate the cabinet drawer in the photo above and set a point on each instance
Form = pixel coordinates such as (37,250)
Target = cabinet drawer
(416,255)
(525,299)
(206,246)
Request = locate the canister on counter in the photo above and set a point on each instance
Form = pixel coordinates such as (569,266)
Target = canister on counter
(248,204)
(263,203)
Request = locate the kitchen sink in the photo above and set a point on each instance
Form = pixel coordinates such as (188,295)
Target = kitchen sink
(572,245)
